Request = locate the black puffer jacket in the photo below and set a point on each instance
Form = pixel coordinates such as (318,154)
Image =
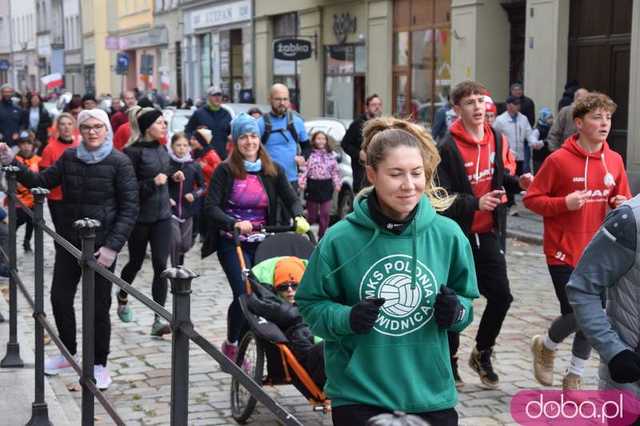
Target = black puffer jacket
(149,159)
(106,191)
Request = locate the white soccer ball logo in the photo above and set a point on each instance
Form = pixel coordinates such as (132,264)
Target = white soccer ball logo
(400,298)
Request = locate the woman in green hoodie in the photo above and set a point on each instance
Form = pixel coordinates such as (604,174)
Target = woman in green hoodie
(385,285)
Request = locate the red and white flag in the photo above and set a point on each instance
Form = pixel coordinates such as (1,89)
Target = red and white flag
(52,81)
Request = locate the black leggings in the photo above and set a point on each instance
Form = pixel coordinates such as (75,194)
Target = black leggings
(66,275)
(158,234)
(23,218)
(359,415)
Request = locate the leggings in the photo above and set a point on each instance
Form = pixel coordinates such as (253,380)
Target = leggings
(23,218)
(319,213)
(66,275)
(231,265)
(564,325)
(359,415)
(158,235)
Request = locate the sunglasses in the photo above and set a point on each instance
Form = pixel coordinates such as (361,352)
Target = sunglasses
(285,287)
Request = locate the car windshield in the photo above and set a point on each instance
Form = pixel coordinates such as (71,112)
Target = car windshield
(178,123)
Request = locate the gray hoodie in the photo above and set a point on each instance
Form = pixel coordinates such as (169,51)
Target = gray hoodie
(610,265)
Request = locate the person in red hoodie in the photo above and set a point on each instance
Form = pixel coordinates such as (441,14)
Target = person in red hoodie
(473,169)
(65,137)
(572,191)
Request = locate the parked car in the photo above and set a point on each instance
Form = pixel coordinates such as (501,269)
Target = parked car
(336,129)
(177,119)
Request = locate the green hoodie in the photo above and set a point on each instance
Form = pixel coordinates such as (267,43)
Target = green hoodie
(403,363)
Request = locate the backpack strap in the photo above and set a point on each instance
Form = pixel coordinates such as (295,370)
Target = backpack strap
(267,128)
(291,126)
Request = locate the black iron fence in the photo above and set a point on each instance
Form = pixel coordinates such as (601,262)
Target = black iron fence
(180,320)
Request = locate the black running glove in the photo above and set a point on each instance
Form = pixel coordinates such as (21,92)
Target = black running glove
(364,314)
(625,367)
(447,310)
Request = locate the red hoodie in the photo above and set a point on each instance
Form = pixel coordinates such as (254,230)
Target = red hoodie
(569,169)
(479,164)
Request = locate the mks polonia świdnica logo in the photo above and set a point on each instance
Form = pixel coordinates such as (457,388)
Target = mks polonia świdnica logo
(406,309)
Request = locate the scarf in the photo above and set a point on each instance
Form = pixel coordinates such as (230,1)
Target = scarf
(253,166)
(185,159)
(97,155)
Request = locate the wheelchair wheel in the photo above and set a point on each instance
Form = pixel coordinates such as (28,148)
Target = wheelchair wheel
(251,356)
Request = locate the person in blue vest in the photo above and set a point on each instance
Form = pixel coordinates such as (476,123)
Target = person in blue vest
(283,134)
(215,118)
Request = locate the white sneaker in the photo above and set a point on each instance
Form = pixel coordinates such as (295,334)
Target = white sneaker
(103,378)
(54,364)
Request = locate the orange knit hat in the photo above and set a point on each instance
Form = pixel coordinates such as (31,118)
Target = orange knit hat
(288,270)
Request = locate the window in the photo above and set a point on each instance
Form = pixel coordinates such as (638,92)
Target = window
(421,58)
(345,66)
(286,72)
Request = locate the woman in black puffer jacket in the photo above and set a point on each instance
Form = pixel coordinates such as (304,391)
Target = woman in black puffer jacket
(98,182)
(152,165)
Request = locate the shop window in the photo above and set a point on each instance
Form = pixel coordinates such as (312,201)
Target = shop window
(205,61)
(421,58)
(345,67)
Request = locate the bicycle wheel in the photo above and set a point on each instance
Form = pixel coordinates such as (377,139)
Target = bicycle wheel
(251,359)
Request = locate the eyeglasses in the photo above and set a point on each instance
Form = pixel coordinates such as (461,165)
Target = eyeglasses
(285,287)
(88,129)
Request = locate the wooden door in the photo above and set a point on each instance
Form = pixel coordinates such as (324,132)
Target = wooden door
(599,55)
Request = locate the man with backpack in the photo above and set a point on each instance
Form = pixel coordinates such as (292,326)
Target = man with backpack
(283,134)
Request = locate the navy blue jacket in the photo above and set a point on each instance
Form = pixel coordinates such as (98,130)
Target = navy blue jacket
(193,184)
(12,120)
(219,122)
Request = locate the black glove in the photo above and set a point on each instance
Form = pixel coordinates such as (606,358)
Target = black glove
(625,367)
(364,315)
(447,310)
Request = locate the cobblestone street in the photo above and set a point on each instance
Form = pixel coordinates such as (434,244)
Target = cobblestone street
(140,365)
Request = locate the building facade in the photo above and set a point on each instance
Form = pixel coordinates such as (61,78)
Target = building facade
(73,76)
(167,16)
(23,45)
(351,44)
(218,48)
(5,42)
(97,17)
(50,39)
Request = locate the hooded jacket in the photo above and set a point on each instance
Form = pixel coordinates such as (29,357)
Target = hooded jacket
(454,177)
(403,362)
(193,183)
(571,168)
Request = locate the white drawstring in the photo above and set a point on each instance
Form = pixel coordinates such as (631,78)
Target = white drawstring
(608,177)
(477,240)
(478,164)
(586,167)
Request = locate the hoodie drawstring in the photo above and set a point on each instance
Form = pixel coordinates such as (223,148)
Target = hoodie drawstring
(414,259)
(608,177)
(586,168)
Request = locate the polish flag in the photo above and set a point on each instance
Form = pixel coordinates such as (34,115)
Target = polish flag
(52,81)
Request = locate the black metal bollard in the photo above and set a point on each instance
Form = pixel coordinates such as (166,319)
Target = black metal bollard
(181,289)
(12,358)
(39,410)
(87,228)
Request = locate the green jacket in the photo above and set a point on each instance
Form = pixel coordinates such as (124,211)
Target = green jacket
(403,363)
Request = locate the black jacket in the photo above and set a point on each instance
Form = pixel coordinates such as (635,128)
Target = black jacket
(44,122)
(351,143)
(12,121)
(193,184)
(149,159)
(528,109)
(277,187)
(106,191)
(452,177)
(219,122)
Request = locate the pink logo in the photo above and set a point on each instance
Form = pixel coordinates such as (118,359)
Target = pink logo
(576,408)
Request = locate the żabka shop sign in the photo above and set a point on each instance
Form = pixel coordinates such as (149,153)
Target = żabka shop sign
(292,49)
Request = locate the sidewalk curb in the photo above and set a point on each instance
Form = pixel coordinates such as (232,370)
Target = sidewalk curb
(526,237)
